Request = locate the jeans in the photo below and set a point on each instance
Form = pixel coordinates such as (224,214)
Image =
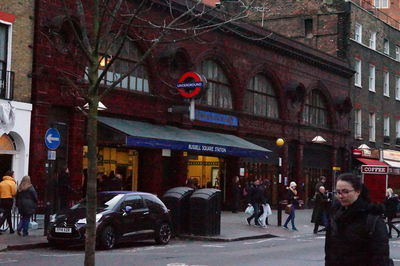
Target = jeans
(24,224)
(256,213)
(7,205)
(291,217)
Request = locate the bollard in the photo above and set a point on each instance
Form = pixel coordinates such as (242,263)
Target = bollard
(279,214)
(47,217)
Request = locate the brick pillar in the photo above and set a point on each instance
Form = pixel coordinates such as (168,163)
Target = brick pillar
(181,169)
(76,141)
(150,171)
(232,169)
(299,174)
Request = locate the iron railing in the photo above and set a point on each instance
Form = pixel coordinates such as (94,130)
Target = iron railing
(6,85)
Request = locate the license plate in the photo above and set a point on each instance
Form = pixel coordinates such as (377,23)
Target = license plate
(64,230)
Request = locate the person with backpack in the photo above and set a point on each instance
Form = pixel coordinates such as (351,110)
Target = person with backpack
(356,232)
(391,203)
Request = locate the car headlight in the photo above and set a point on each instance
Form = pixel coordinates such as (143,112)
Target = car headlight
(53,218)
(83,220)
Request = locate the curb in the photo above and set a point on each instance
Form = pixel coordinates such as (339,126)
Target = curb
(220,239)
(25,246)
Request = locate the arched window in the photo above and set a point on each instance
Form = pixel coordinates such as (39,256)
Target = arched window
(129,56)
(6,143)
(260,98)
(315,111)
(218,93)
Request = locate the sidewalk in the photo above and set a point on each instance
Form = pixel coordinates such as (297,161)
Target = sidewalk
(233,228)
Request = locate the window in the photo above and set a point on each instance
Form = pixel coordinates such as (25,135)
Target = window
(5,55)
(371,127)
(136,202)
(386,84)
(372,41)
(357,124)
(358,33)
(357,75)
(386,126)
(398,88)
(129,55)
(308,28)
(398,129)
(386,47)
(381,3)
(218,93)
(260,98)
(398,53)
(315,111)
(371,79)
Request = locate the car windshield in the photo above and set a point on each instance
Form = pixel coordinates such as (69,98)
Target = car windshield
(105,201)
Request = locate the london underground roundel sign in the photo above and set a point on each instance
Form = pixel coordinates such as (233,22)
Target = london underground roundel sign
(191,85)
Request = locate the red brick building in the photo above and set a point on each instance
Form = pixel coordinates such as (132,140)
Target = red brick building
(261,90)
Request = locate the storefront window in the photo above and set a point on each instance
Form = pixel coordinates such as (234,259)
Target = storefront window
(315,111)
(260,98)
(218,92)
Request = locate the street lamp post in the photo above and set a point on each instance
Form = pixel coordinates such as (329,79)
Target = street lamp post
(279,142)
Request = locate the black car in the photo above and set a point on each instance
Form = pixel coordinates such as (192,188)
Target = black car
(121,215)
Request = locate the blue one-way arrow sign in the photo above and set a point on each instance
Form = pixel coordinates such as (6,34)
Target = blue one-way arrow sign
(52,138)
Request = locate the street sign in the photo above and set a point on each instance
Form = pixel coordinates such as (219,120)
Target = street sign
(191,85)
(336,168)
(52,138)
(374,169)
(51,155)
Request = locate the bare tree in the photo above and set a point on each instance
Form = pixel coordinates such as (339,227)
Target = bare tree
(98,31)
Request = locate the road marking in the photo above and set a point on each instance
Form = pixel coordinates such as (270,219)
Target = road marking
(8,261)
(61,255)
(214,246)
(320,237)
(257,242)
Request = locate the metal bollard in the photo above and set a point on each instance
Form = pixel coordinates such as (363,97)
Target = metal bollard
(47,217)
(279,214)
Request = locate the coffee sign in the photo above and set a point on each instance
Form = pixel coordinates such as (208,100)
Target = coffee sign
(374,169)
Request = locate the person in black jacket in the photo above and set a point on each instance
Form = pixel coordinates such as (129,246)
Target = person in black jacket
(292,199)
(391,201)
(319,214)
(356,233)
(256,199)
(26,203)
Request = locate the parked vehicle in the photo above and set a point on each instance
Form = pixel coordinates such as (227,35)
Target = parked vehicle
(121,215)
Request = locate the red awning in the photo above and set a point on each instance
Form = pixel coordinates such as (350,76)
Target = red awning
(371,161)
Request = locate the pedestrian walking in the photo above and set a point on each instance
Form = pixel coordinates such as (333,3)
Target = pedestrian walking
(64,188)
(26,203)
(8,189)
(356,233)
(292,198)
(256,199)
(320,210)
(236,194)
(391,202)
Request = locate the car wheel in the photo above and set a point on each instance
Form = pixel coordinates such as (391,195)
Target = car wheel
(163,234)
(107,238)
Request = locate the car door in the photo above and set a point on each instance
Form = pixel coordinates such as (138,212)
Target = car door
(134,220)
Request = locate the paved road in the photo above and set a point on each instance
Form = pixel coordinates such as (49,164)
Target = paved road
(295,250)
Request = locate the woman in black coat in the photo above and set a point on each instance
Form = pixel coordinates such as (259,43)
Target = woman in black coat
(356,234)
(391,201)
(26,203)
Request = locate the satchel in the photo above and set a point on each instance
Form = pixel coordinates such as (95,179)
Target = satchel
(288,209)
(249,210)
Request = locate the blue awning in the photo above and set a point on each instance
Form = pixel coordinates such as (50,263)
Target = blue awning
(141,134)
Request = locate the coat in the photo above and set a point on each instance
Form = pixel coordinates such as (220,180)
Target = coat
(390,204)
(291,199)
(349,239)
(321,207)
(8,188)
(27,201)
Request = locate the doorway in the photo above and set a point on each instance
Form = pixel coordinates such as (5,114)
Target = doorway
(5,163)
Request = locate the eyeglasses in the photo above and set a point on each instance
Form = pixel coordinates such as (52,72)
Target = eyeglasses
(343,191)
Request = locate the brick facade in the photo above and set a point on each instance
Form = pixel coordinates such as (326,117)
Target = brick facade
(287,64)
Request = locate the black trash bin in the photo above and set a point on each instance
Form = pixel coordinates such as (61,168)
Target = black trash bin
(205,212)
(177,201)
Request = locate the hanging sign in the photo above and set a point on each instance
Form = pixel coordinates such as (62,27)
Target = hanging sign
(191,85)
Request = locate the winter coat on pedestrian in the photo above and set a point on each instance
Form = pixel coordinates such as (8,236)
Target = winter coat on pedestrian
(351,240)
(291,198)
(27,201)
(390,204)
(256,195)
(321,207)
(8,188)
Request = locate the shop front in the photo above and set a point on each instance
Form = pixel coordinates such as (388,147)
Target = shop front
(155,158)
(392,158)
